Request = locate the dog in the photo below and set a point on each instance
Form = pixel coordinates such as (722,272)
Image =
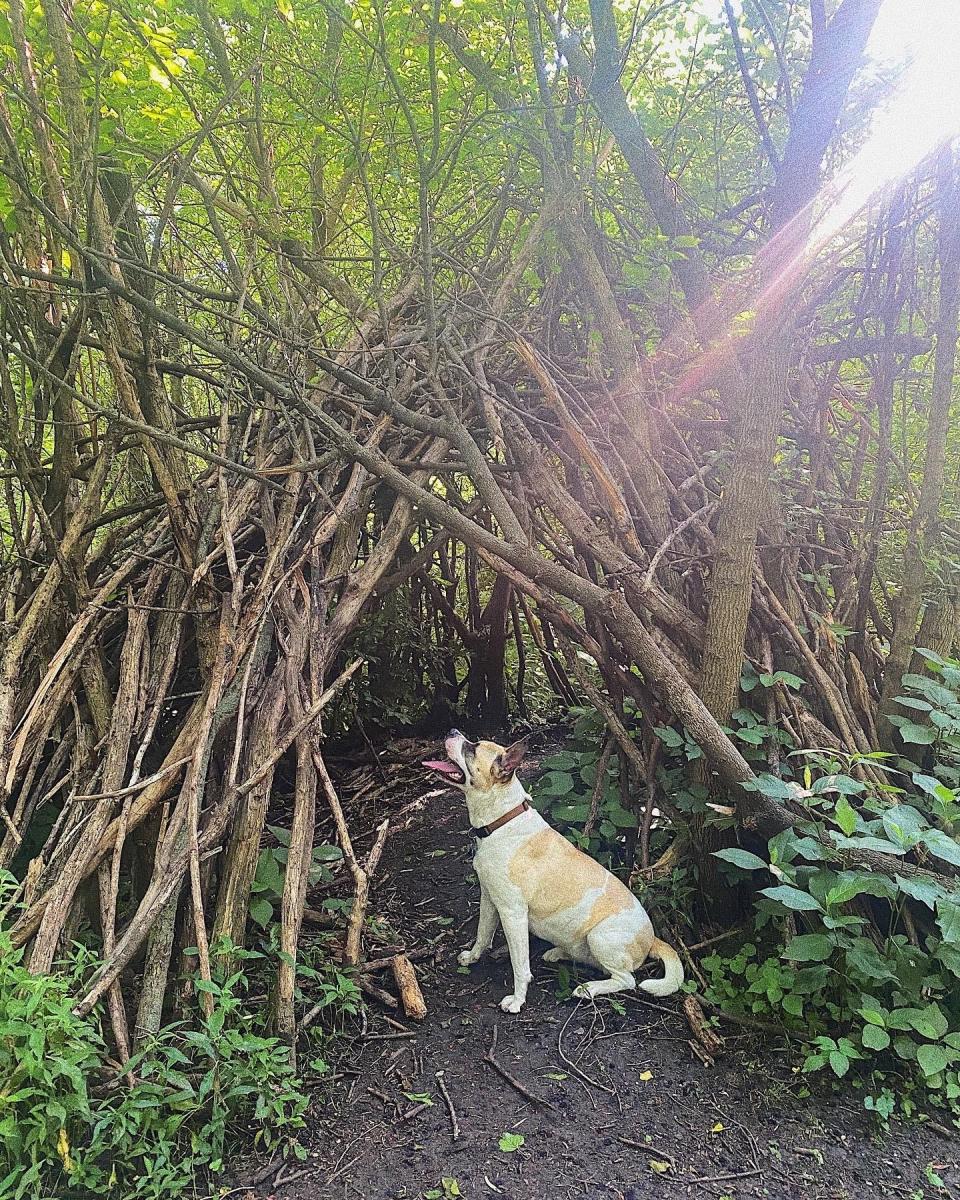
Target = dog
(532,880)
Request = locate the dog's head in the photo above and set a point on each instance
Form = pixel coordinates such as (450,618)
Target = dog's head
(478,766)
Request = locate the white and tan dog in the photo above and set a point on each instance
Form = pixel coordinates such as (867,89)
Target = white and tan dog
(532,880)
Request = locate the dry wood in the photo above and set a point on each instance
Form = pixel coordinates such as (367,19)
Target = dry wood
(405,977)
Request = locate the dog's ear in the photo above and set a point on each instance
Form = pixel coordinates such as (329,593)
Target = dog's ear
(506,763)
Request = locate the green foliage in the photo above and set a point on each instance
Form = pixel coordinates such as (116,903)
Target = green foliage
(72,1124)
(933,704)
(886,1001)
(267,888)
(565,790)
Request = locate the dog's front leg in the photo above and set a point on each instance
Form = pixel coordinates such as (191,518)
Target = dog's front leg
(516,930)
(486,928)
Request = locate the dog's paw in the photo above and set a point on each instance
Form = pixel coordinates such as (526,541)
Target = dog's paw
(555,955)
(466,958)
(511,1004)
(583,992)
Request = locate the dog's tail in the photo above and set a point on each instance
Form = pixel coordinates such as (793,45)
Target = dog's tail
(673,970)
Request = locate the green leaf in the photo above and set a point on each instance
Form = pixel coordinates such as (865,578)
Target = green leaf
(785,677)
(860,883)
(943,846)
(809,947)
(917,735)
(904,825)
(775,788)
(863,956)
(930,1021)
(557,783)
(741,858)
(846,815)
(950,957)
(670,738)
(932,1059)
(874,1038)
(839,1063)
(261,911)
(793,898)
(927,891)
(510,1142)
(843,784)
(866,842)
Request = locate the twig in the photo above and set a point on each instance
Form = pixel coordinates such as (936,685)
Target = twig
(490,1059)
(364,984)
(725,1178)
(572,1066)
(721,937)
(650,1147)
(454,1123)
(412,1112)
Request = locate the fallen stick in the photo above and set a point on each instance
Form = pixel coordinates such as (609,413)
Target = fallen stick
(454,1123)
(649,1148)
(412,1112)
(708,1038)
(490,1059)
(405,977)
(381,964)
(371,989)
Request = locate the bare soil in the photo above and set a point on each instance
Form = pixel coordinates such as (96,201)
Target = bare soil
(630,1112)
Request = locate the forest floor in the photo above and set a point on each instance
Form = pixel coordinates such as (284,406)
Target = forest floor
(632,1113)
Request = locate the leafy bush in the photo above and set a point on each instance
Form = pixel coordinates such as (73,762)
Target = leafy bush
(565,789)
(72,1126)
(864,963)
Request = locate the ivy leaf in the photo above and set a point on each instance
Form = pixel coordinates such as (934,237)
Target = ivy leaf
(839,1063)
(510,1142)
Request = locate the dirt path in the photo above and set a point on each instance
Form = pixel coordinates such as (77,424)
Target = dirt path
(634,1116)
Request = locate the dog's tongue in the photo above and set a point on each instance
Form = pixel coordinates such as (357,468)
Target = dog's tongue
(442,765)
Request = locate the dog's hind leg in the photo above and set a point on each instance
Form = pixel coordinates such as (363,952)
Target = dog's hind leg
(609,953)
(556,954)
